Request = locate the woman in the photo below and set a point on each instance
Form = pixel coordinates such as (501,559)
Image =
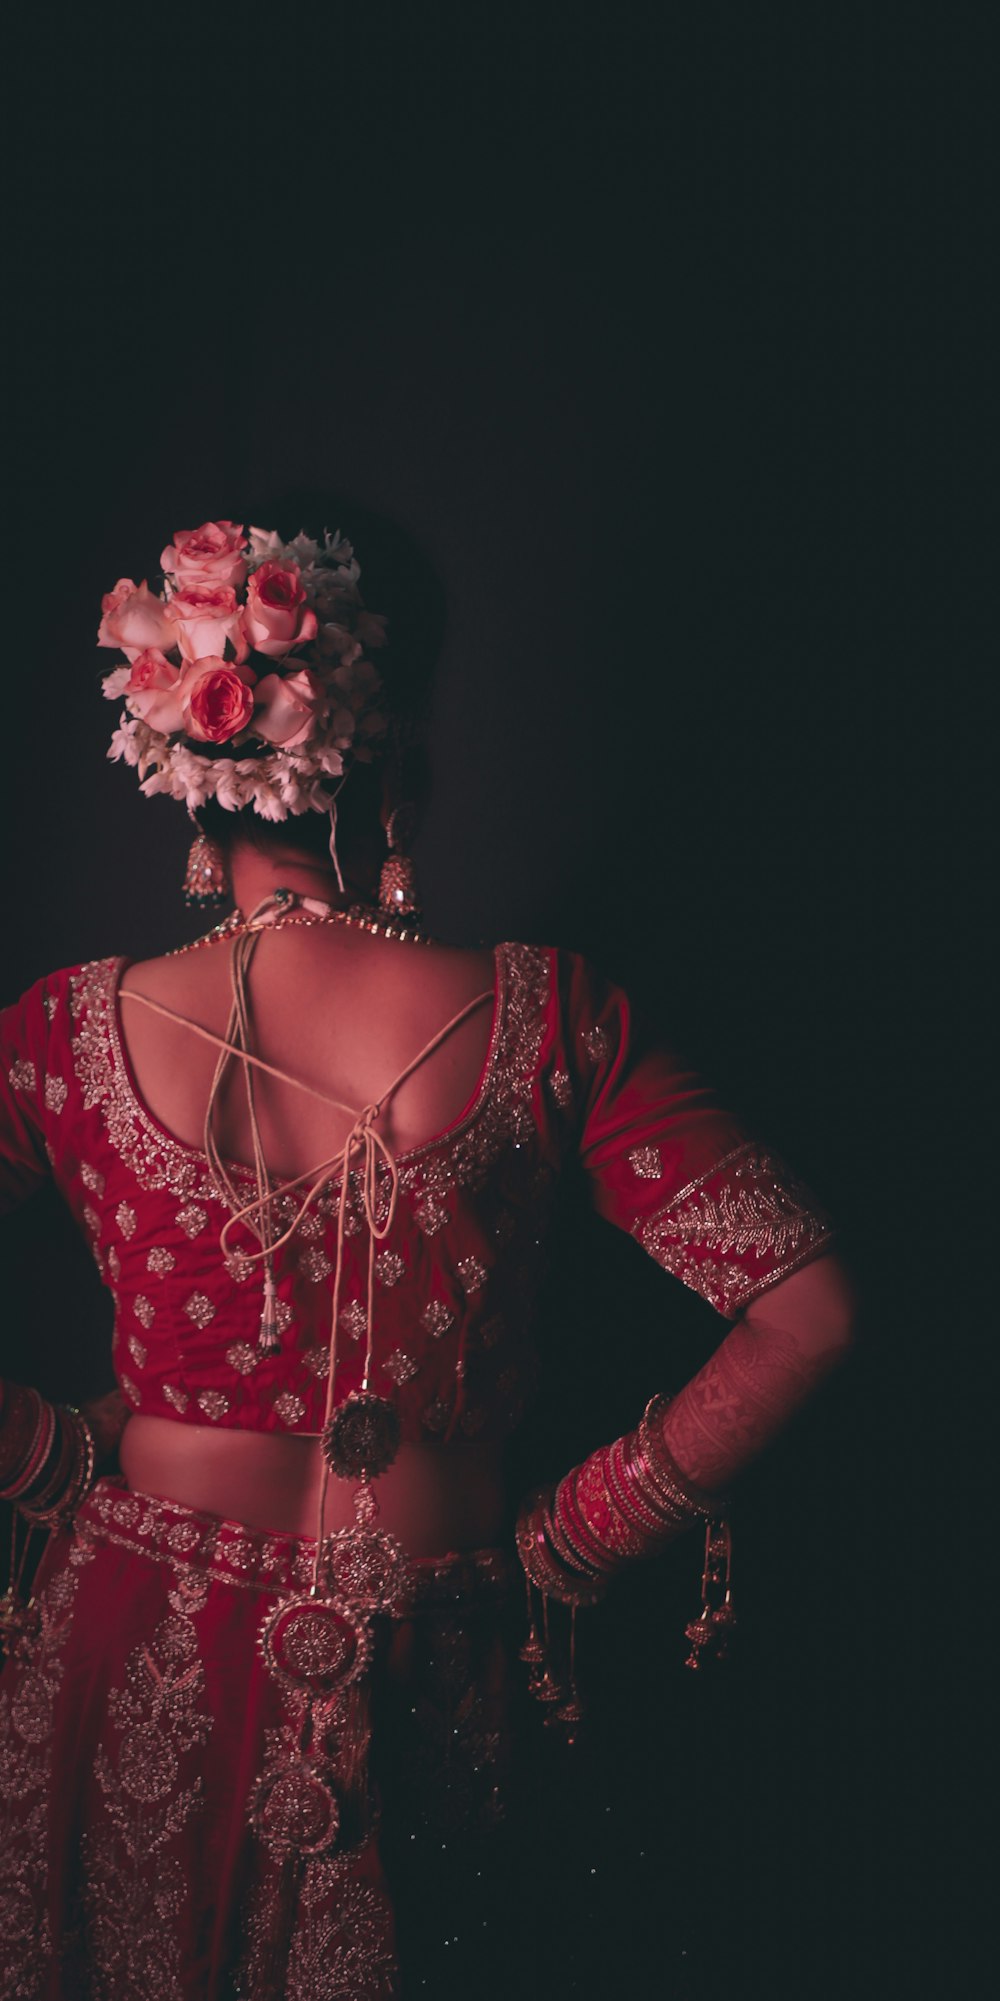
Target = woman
(265,1673)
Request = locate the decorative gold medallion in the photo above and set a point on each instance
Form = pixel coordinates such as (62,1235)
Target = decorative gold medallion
(315,1646)
(369,1568)
(361,1437)
(294,1811)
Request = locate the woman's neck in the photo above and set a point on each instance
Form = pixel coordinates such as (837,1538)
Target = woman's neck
(255,875)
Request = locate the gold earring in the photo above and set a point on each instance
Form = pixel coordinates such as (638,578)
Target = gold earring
(397,888)
(206,881)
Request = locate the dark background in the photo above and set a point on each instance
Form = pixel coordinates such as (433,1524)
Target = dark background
(663,331)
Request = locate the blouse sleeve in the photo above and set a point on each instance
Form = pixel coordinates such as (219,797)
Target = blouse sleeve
(669,1164)
(24,1163)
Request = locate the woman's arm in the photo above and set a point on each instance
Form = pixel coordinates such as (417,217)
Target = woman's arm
(773,1360)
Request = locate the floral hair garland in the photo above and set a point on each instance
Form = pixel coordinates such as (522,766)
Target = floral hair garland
(247,679)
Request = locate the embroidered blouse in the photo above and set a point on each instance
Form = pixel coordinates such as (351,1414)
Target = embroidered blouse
(456,1278)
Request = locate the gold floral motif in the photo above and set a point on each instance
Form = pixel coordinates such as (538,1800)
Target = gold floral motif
(758,1212)
(289,1408)
(400,1366)
(56,1093)
(213,1403)
(354,1320)
(192,1219)
(315,1265)
(242,1357)
(436,1319)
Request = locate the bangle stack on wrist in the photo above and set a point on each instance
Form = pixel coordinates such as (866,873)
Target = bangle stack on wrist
(47,1456)
(626,1502)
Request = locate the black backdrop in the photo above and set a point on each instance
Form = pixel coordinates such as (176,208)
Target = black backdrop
(662,331)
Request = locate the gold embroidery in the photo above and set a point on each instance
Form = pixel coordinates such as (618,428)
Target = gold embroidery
(126,1219)
(144,1310)
(647,1162)
(92,1179)
(22,1075)
(56,1093)
(193,1219)
(160,1260)
(354,1320)
(389,1268)
(472,1273)
(135,1888)
(400,1366)
(315,1265)
(289,1408)
(27,1715)
(436,1318)
(242,1357)
(213,1403)
(595,1042)
(199,1309)
(759,1212)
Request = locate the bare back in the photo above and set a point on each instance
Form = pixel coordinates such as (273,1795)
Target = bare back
(345,1012)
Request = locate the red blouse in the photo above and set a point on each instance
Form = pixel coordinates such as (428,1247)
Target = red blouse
(457,1277)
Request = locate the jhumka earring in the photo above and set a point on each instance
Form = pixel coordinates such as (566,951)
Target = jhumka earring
(397,889)
(206,882)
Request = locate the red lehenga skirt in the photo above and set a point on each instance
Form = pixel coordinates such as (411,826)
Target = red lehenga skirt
(163,1837)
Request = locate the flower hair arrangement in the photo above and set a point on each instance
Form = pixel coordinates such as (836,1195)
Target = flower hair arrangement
(247,678)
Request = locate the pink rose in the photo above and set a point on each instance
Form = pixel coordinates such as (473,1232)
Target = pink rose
(152,692)
(277,616)
(207,616)
(287,707)
(217,699)
(135,619)
(211,554)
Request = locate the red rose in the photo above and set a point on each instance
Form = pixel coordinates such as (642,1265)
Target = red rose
(277,616)
(217,699)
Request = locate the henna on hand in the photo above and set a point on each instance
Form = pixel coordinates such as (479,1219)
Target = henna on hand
(767,1367)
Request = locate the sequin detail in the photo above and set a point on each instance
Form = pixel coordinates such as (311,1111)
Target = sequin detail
(317,1361)
(192,1219)
(199,1309)
(242,1357)
(144,1310)
(436,1318)
(92,1220)
(289,1407)
(92,1179)
(160,1260)
(647,1162)
(472,1273)
(147,1770)
(177,1399)
(315,1265)
(595,1042)
(354,1320)
(138,1351)
(400,1366)
(114,1263)
(561,1088)
(213,1403)
(56,1093)
(27,1719)
(757,1211)
(126,1219)
(21,1075)
(389,1268)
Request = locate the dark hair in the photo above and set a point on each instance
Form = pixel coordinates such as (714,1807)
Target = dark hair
(398,581)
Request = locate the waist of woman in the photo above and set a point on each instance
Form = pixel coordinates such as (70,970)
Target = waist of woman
(433,1497)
